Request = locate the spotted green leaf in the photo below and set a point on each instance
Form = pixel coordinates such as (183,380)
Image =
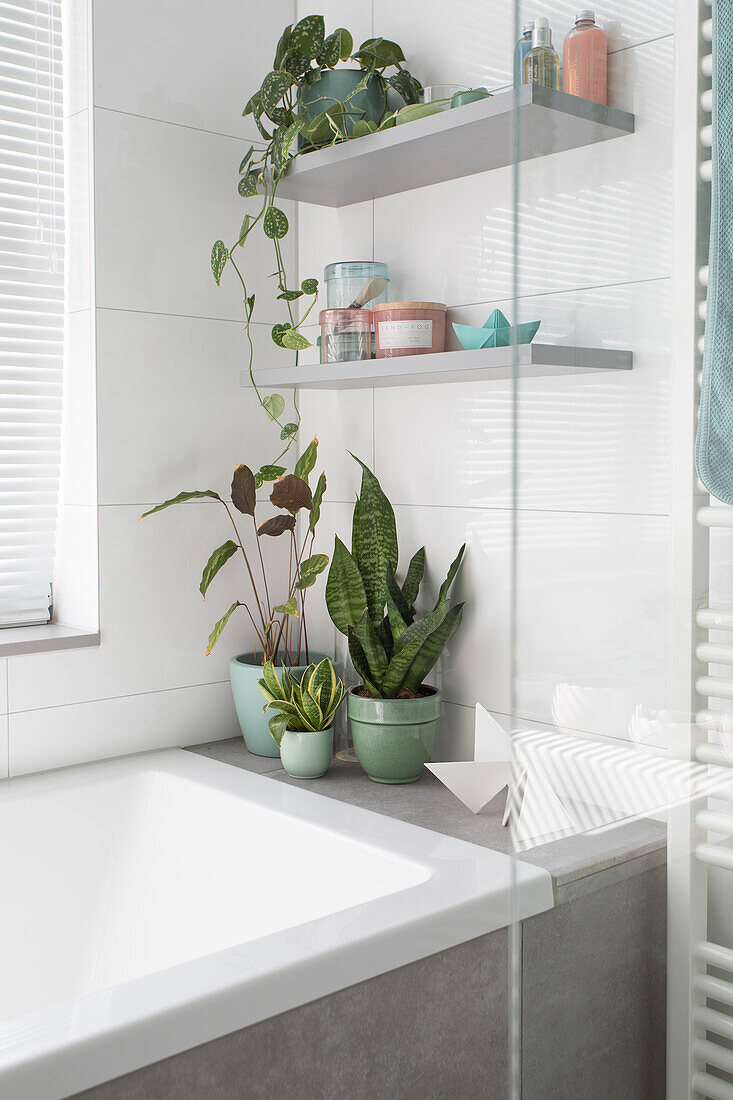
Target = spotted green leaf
(247,186)
(295,341)
(290,607)
(219,257)
(306,37)
(345,596)
(309,286)
(271,472)
(311,569)
(288,431)
(275,223)
(290,295)
(246,159)
(274,87)
(277,333)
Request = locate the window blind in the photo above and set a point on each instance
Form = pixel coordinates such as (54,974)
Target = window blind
(31,303)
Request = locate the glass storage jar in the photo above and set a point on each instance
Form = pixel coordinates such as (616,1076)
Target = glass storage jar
(346,335)
(347,279)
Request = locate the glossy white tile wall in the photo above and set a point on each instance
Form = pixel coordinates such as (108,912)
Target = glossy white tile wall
(168,135)
(594,451)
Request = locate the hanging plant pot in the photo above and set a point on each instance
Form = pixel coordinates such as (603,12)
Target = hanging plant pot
(331,92)
(394,738)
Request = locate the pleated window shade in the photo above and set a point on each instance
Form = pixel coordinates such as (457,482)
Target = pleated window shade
(31,303)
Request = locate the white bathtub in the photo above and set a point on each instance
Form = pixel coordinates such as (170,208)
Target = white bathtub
(156,902)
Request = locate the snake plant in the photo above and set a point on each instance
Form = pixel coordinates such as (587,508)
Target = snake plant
(306,706)
(392,647)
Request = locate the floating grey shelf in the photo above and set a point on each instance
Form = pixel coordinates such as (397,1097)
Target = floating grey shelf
(487,364)
(460,142)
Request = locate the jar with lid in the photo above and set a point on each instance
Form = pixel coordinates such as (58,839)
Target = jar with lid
(356,283)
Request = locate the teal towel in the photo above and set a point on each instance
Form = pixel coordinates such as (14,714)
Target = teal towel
(714,444)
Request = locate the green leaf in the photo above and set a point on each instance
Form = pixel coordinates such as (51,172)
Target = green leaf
(219,257)
(275,223)
(291,492)
(220,557)
(274,405)
(276,525)
(430,651)
(310,569)
(290,607)
(374,540)
(309,286)
(290,295)
(274,87)
(407,647)
(271,473)
(243,490)
(306,37)
(405,85)
(277,727)
(180,499)
(337,47)
(373,649)
(311,710)
(250,305)
(244,231)
(381,51)
(455,566)
(282,47)
(278,332)
(345,596)
(288,431)
(306,462)
(359,661)
(295,341)
(414,111)
(283,143)
(362,127)
(247,186)
(216,632)
(398,601)
(246,159)
(317,499)
(270,684)
(415,572)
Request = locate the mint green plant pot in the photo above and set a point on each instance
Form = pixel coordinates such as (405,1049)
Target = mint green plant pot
(307,755)
(245,670)
(335,86)
(394,738)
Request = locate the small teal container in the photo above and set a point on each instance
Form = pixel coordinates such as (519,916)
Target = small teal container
(337,86)
(307,755)
(473,95)
(346,279)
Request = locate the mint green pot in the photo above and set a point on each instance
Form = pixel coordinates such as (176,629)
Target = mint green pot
(394,738)
(307,755)
(245,670)
(333,87)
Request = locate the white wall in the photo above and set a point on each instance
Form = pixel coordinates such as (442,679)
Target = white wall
(594,451)
(164,107)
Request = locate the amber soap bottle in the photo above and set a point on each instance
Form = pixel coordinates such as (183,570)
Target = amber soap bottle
(585,60)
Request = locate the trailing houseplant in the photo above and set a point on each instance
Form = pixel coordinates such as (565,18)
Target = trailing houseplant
(393,714)
(276,608)
(306,99)
(302,726)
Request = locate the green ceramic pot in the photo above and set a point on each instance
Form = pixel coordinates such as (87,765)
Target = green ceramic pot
(307,755)
(333,87)
(394,738)
(245,671)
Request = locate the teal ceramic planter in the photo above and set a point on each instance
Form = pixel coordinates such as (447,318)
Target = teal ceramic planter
(307,755)
(335,86)
(245,671)
(394,738)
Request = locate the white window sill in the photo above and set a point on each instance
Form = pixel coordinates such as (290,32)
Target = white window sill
(17,640)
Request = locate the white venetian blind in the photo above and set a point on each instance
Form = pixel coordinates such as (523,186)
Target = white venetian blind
(31,302)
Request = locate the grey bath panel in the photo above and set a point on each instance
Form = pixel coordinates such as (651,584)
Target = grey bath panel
(434,1030)
(593,995)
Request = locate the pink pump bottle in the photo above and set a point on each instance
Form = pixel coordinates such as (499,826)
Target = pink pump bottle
(585,60)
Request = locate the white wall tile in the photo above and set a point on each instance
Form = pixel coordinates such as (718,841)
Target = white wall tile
(172,413)
(4,763)
(3,689)
(154,623)
(164,194)
(59,736)
(327,235)
(76,571)
(588,442)
(342,420)
(184,62)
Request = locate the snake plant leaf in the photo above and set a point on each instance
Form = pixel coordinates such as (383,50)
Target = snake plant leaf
(193,495)
(311,568)
(345,596)
(274,405)
(219,626)
(219,557)
(309,286)
(306,463)
(446,585)
(394,592)
(413,579)
(359,661)
(374,540)
(311,710)
(292,493)
(244,493)
(429,653)
(277,525)
(269,684)
(247,186)
(407,647)
(290,607)
(295,341)
(277,726)
(282,47)
(219,257)
(275,223)
(384,633)
(317,499)
(306,37)
(397,624)
(274,87)
(323,684)
(373,649)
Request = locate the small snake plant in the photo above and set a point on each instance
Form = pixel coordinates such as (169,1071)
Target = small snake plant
(306,706)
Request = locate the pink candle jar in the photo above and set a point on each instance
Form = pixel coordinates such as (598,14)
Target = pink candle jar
(409,328)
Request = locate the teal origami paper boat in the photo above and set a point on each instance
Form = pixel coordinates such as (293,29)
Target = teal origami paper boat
(496,333)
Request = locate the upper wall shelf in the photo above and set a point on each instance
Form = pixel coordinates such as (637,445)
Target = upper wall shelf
(454,143)
(487,364)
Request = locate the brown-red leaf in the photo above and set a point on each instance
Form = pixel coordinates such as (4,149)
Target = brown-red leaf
(244,493)
(276,525)
(291,492)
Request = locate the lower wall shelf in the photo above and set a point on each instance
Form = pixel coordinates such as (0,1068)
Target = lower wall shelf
(487,364)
